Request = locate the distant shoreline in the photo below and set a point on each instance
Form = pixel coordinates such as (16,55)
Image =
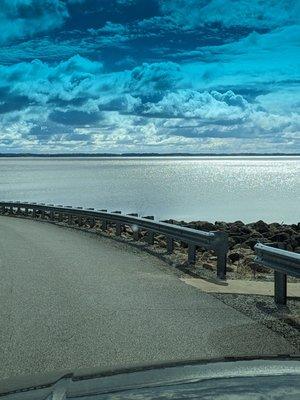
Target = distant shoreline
(89,155)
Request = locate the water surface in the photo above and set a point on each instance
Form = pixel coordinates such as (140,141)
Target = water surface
(190,188)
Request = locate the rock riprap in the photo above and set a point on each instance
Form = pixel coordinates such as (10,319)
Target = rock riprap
(242,239)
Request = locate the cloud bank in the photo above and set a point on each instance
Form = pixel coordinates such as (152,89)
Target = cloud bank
(211,76)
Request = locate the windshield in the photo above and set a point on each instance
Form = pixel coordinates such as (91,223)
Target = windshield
(149,183)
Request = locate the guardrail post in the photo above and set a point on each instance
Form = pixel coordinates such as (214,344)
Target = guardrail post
(26,210)
(104,222)
(135,228)
(60,214)
(222,265)
(150,238)
(191,253)
(170,245)
(70,219)
(118,224)
(118,229)
(150,234)
(70,216)
(79,220)
(221,249)
(280,287)
(91,220)
(42,212)
(136,232)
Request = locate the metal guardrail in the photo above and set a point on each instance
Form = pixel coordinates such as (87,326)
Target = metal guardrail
(215,241)
(283,263)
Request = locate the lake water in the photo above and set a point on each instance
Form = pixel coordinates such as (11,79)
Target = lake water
(189,188)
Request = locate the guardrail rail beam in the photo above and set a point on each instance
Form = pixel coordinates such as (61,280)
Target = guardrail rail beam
(283,263)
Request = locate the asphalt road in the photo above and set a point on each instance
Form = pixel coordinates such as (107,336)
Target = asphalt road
(73,300)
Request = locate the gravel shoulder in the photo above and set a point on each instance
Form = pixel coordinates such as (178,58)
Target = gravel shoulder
(282,320)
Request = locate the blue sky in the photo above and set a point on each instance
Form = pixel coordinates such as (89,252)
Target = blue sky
(149,76)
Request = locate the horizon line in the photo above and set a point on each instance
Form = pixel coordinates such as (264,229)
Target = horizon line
(143,154)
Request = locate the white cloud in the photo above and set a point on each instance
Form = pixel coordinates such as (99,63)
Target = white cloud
(41,82)
(204,105)
(151,106)
(155,77)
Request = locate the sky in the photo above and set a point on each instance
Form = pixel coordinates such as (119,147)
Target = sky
(111,76)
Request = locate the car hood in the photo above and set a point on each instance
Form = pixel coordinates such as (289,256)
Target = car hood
(211,379)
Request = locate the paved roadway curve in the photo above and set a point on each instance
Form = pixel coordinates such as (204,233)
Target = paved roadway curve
(72,300)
